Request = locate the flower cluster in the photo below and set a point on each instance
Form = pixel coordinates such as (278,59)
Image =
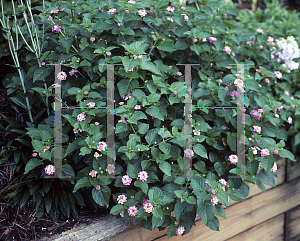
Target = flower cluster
(132,211)
(214,200)
(143,175)
(126,180)
(256,114)
(189,153)
(289,52)
(62,76)
(122,199)
(50,169)
(233,159)
(148,207)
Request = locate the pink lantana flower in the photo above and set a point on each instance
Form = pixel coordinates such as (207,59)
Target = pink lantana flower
(112,11)
(81,117)
(278,74)
(259,30)
(143,175)
(286,93)
(98,187)
(93,173)
(223,182)
(142,13)
(122,199)
(126,180)
(56,28)
(132,211)
(148,207)
(214,200)
(257,129)
(132,2)
(180,230)
(108,53)
(62,76)
(290,120)
(186,18)
(233,159)
(110,168)
(189,153)
(102,146)
(227,50)
(274,168)
(92,39)
(196,132)
(170,9)
(137,107)
(50,169)
(91,104)
(195,40)
(179,73)
(212,39)
(97,155)
(54,11)
(265,152)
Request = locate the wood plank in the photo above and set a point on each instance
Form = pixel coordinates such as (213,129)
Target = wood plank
(244,215)
(142,234)
(254,189)
(272,229)
(293,224)
(293,169)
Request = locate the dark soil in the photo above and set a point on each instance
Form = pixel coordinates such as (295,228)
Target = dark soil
(16,224)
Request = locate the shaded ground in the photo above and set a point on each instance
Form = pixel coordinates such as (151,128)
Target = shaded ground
(16,224)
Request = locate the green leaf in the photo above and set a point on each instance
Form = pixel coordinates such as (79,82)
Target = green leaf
(129,63)
(179,180)
(155,194)
(286,154)
(191,200)
(83,182)
(157,212)
(31,164)
(143,128)
(165,147)
(223,197)
(200,166)
(220,211)
(142,185)
(165,200)
(152,136)
(68,170)
(165,167)
(154,111)
(41,73)
(137,115)
(116,209)
(236,195)
(48,202)
(214,224)
(199,149)
(266,162)
(266,177)
(150,67)
(132,171)
(167,46)
(231,140)
(156,222)
(220,169)
(206,212)
(19,102)
(102,196)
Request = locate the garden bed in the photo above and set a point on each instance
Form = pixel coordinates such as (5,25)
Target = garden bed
(245,220)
